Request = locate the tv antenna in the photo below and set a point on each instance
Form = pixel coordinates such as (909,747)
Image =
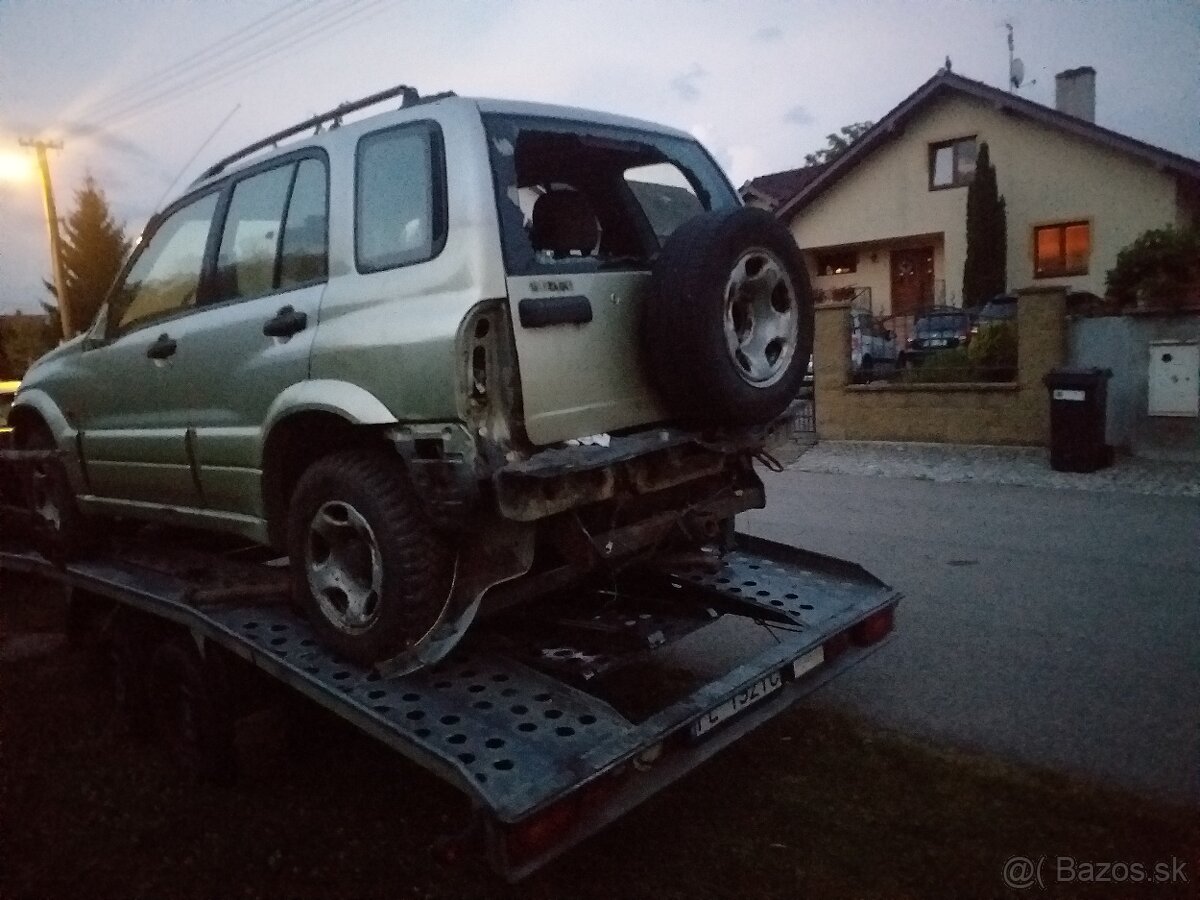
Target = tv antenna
(1016,68)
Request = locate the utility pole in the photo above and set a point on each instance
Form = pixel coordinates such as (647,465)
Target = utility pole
(60,285)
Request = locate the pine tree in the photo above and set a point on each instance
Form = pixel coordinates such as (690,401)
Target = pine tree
(985,271)
(93,248)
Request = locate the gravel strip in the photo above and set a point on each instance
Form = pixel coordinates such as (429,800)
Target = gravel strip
(1027,466)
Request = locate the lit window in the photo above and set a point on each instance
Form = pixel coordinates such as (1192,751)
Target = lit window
(952,163)
(840,262)
(1061,249)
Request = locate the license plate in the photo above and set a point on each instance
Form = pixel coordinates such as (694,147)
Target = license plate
(938,342)
(1073,396)
(740,701)
(808,662)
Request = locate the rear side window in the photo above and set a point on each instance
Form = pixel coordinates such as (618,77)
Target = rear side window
(399,218)
(274,236)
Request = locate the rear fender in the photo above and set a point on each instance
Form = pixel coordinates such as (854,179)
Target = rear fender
(341,398)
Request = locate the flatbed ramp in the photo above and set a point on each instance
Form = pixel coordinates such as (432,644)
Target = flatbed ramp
(557,717)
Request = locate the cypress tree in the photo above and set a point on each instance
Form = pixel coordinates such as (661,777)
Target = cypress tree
(985,269)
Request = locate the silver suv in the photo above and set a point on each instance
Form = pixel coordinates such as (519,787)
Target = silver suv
(462,351)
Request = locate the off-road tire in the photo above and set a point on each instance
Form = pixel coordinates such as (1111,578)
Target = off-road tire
(65,535)
(189,710)
(413,563)
(684,329)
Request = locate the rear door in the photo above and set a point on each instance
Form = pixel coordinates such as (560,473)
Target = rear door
(584,209)
(253,337)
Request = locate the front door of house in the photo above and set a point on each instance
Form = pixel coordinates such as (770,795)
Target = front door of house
(912,280)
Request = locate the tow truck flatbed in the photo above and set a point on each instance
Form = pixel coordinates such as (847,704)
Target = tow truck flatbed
(553,718)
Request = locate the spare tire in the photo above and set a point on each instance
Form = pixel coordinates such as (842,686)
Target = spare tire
(728,332)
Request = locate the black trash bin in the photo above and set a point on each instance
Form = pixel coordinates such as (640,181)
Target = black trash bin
(1078,401)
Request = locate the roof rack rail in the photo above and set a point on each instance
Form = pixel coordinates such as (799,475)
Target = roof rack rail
(409,95)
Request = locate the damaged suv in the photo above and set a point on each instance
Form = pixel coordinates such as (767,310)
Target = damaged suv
(462,351)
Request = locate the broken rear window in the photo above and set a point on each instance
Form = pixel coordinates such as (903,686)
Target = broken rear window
(577,197)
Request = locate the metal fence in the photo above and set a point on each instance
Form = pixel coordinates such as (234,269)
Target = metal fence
(940,344)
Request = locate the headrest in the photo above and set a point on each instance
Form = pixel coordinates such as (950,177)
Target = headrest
(563,222)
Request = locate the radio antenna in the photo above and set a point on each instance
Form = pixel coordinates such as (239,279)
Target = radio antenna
(192,158)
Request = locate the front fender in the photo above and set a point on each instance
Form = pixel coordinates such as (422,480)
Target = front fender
(32,402)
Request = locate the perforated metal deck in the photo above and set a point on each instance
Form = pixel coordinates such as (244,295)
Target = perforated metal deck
(514,736)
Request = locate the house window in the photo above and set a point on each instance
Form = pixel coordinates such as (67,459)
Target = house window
(1061,249)
(840,262)
(952,163)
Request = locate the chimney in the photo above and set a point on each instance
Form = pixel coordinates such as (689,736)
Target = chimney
(1075,93)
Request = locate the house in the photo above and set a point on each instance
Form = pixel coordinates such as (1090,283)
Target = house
(889,214)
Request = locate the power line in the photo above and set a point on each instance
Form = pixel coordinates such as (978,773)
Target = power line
(330,26)
(212,65)
(223,45)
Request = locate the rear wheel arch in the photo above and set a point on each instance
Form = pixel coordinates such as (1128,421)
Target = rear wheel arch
(294,443)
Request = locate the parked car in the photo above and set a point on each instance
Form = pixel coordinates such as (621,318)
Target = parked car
(872,346)
(432,351)
(8,390)
(935,330)
(1001,308)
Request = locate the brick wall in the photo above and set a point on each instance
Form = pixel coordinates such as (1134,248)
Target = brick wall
(1016,413)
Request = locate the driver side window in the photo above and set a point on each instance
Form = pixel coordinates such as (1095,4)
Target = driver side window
(166,276)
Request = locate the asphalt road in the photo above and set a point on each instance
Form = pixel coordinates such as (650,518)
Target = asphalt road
(1056,627)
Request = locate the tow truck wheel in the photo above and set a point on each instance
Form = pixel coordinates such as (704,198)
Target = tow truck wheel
(188,712)
(368,567)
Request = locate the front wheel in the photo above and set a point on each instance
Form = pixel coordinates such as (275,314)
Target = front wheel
(367,566)
(59,527)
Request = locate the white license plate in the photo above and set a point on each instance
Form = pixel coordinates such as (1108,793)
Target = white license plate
(740,701)
(808,662)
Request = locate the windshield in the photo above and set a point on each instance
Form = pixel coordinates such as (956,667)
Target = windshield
(942,325)
(578,196)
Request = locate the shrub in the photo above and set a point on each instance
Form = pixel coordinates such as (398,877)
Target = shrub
(993,352)
(943,367)
(1157,268)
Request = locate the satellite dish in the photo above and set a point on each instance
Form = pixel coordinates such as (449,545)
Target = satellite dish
(1016,73)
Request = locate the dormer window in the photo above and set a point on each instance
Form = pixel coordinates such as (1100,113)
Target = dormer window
(952,163)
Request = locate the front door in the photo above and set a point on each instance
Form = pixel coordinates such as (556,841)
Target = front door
(912,280)
(128,389)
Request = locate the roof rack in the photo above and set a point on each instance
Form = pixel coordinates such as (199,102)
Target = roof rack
(409,95)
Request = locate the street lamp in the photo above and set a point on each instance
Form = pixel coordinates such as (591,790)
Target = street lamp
(16,168)
(60,286)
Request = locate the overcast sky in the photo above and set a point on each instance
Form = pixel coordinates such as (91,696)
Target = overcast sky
(135,87)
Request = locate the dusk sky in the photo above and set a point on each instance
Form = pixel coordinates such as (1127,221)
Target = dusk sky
(134,87)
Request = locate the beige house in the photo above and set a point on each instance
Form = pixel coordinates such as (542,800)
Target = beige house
(888,217)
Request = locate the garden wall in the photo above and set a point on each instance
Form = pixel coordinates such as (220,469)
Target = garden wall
(969,413)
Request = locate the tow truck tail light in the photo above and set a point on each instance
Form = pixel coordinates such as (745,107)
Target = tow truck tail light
(874,627)
(541,831)
(544,830)
(836,645)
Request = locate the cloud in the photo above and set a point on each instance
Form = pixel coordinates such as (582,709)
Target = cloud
(768,33)
(685,85)
(798,115)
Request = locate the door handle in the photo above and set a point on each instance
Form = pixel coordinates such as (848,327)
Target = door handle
(285,323)
(162,348)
